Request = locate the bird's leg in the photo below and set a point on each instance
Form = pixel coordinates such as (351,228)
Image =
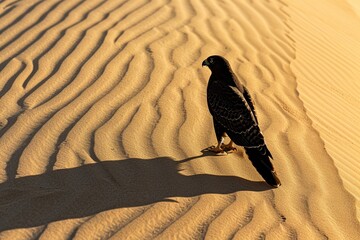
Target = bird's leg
(218,148)
(229,147)
(220,135)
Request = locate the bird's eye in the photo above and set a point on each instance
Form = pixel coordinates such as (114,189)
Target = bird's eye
(211,60)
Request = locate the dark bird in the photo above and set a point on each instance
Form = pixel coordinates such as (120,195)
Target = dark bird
(234,115)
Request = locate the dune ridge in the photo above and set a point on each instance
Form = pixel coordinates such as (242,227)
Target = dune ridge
(103,119)
(332,57)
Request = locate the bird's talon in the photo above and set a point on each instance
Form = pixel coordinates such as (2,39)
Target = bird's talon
(217,150)
(230,150)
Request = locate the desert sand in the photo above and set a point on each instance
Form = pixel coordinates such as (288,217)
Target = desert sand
(103,119)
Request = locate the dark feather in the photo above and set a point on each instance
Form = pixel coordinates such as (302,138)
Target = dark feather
(250,102)
(263,165)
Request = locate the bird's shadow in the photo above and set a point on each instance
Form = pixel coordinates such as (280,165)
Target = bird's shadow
(89,189)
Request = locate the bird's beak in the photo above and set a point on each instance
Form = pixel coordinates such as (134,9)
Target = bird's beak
(205,63)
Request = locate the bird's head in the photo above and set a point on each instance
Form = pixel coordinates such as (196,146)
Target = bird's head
(216,62)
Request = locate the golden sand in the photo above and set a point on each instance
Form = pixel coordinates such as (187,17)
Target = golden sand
(103,118)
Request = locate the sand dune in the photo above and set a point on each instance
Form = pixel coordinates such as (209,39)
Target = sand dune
(331,101)
(103,118)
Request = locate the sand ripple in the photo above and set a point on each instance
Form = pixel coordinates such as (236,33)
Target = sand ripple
(103,118)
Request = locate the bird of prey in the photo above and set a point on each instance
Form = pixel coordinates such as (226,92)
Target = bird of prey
(234,115)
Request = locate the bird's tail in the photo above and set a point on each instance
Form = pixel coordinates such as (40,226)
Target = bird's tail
(260,158)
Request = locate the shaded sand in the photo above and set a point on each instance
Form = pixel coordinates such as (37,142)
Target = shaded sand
(103,118)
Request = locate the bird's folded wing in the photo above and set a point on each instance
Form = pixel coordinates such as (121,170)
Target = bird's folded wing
(250,102)
(230,109)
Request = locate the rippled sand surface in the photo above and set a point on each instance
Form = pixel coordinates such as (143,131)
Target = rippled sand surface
(103,119)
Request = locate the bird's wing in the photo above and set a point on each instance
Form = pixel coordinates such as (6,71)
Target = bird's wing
(250,102)
(230,108)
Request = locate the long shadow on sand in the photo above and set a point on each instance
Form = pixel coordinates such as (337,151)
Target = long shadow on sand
(83,191)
